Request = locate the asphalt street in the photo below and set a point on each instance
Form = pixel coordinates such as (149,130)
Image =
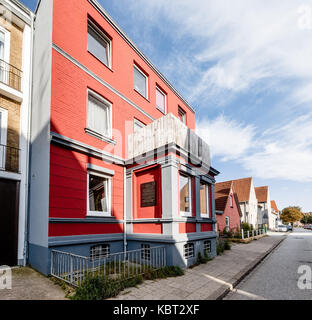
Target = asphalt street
(276,278)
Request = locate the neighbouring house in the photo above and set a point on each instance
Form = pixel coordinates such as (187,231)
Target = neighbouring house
(228,211)
(116,164)
(247,200)
(15,91)
(275,214)
(265,215)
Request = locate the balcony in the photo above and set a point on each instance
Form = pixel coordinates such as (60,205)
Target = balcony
(10,75)
(169,131)
(9,159)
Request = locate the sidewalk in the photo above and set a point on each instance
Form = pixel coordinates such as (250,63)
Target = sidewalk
(209,281)
(27,284)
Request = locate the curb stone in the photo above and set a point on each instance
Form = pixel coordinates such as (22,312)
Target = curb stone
(220,293)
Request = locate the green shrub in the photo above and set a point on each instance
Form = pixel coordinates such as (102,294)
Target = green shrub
(220,246)
(227,245)
(100,287)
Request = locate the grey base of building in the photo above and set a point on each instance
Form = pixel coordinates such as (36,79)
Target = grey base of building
(40,257)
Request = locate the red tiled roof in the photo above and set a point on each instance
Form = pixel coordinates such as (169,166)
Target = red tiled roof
(274,206)
(242,187)
(262,193)
(222,192)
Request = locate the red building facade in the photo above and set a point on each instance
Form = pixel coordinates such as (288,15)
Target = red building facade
(113,143)
(228,210)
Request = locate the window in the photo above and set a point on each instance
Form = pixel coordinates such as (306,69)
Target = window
(99,251)
(161,100)
(3,136)
(4,54)
(99,44)
(99,115)
(204,200)
(227,223)
(207,246)
(189,251)
(231,201)
(146,252)
(138,125)
(182,115)
(140,82)
(185,184)
(99,195)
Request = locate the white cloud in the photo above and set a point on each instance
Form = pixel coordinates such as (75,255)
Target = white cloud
(283,152)
(240,43)
(227,138)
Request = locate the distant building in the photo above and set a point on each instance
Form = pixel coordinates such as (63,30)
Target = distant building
(264,207)
(275,213)
(228,211)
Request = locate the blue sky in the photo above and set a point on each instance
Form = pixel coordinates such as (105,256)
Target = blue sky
(247,70)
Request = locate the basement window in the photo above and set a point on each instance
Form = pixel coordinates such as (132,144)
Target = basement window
(145,252)
(189,251)
(99,251)
(207,246)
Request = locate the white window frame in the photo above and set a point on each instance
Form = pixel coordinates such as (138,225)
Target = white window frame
(146,82)
(207,243)
(184,115)
(109,115)
(3,137)
(146,252)
(6,55)
(186,251)
(102,35)
(183,213)
(109,195)
(138,123)
(206,215)
(104,252)
(165,96)
(7,44)
(227,223)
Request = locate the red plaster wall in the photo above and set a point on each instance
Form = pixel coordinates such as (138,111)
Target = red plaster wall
(232,213)
(154,228)
(187,227)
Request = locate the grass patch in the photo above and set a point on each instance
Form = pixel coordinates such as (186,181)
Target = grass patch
(100,287)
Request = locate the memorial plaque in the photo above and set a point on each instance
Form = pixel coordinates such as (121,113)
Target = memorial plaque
(148,194)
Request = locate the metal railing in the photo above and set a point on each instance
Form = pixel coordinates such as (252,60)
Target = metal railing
(75,269)
(252,233)
(9,158)
(10,75)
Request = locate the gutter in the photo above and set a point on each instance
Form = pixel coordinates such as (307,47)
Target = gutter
(125,211)
(28,160)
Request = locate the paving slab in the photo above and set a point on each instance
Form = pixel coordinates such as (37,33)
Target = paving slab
(27,284)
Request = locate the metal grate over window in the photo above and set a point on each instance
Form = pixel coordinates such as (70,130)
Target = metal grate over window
(146,252)
(99,251)
(189,251)
(207,246)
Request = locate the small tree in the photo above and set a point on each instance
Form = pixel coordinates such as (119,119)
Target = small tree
(291,214)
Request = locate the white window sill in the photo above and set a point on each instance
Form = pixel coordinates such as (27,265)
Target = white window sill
(186,214)
(100,136)
(99,214)
(206,216)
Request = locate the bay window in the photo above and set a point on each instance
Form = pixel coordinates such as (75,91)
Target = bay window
(185,185)
(204,200)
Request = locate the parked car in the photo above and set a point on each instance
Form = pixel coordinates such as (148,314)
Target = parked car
(289,227)
(282,228)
